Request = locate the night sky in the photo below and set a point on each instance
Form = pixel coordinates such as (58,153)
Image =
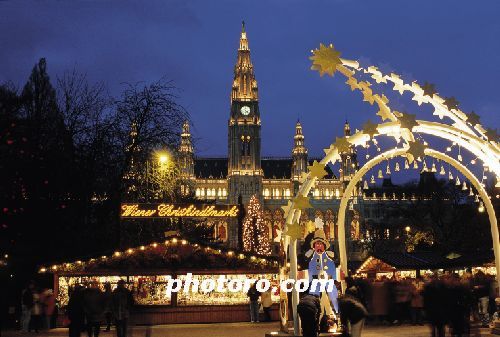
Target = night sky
(453,44)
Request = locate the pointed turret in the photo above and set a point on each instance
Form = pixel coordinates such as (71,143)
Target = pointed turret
(349,158)
(186,152)
(244,83)
(347,129)
(299,153)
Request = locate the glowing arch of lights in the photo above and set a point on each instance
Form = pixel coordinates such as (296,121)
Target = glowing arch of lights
(465,131)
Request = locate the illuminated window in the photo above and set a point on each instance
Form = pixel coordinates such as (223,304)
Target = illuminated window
(316,193)
(219,192)
(198,192)
(287,193)
(209,192)
(337,193)
(266,192)
(224,192)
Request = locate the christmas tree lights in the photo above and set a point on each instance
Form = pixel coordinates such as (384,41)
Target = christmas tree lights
(255,235)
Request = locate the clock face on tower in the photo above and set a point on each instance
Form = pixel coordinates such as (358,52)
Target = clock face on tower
(245,110)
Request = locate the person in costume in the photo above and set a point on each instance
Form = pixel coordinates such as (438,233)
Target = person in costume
(322,266)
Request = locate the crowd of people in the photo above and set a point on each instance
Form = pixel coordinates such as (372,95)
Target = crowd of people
(447,301)
(88,310)
(38,308)
(260,302)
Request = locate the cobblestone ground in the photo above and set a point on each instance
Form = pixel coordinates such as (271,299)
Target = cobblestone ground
(230,330)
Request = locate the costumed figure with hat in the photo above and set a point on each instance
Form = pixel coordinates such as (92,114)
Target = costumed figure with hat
(322,267)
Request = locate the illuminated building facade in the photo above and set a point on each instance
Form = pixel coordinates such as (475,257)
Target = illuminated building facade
(245,172)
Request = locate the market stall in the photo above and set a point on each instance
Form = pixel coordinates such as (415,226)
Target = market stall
(148,269)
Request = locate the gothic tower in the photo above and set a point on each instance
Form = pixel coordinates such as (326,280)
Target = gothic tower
(299,153)
(244,170)
(349,164)
(186,156)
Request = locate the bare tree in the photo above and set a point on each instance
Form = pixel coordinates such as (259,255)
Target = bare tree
(158,119)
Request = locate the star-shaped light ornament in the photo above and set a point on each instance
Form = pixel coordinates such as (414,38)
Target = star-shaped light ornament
(429,89)
(342,144)
(325,60)
(384,113)
(492,135)
(353,83)
(473,118)
(368,95)
(310,227)
(301,202)
(418,94)
(415,151)
(317,170)
(451,103)
(407,121)
(319,223)
(370,129)
(286,208)
(398,83)
(294,231)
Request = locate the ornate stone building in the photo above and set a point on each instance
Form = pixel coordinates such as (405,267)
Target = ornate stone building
(245,172)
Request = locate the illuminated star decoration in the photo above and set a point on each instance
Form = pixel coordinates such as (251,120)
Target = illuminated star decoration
(303,177)
(473,118)
(429,89)
(384,113)
(351,81)
(492,134)
(398,83)
(301,202)
(310,227)
(407,121)
(370,129)
(294,231)
(286,208)
(317,170)
(451,103)
(415,151)
(418,96)
(342,144)
(325,60)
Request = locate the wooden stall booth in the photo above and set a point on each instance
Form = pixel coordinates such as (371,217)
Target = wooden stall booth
(148,269)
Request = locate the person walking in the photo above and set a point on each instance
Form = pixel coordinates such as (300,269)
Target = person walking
(49,306)
(309,310)
(75,311)
(436,307)
(417,300)
(254,295)
(121,304)
(93,305)
(352,313)
(108,297)
(267,302)
(36,312)
(26,306)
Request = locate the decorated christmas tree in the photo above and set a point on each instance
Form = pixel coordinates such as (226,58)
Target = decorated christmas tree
(255,233)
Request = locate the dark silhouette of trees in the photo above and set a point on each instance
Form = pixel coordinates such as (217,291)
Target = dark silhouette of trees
(63,154)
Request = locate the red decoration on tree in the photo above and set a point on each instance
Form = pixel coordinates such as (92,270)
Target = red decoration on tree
(255,233)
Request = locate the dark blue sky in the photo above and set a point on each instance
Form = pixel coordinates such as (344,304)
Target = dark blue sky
(453,44)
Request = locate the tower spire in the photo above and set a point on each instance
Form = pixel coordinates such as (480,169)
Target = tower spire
(186,152)
(299,153)
(244,84)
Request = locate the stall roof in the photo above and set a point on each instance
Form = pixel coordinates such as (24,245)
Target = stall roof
(426,260)
(173,255)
